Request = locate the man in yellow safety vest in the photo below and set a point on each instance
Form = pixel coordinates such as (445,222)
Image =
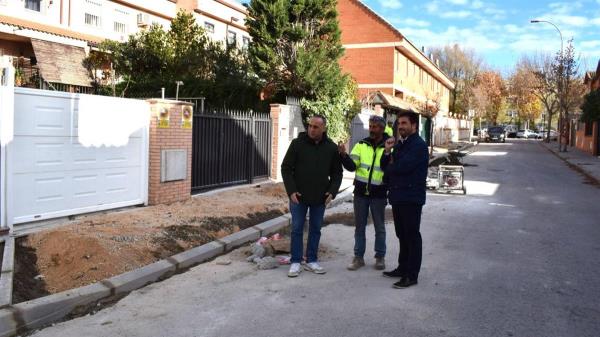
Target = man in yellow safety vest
(370,191)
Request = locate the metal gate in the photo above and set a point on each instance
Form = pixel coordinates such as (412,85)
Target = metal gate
(230,147)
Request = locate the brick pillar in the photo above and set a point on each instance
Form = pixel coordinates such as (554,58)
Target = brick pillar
(280,116)
(167,181)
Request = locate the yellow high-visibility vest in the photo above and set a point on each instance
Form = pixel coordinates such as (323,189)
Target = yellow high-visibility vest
(367,162)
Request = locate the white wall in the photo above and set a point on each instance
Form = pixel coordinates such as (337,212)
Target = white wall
(284,140)
(448,129)
(6,128)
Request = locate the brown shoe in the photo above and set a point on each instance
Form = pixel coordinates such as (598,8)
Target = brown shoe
(356,263)
(380,263)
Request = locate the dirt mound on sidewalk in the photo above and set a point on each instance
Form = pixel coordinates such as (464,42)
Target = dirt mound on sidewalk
(92,248)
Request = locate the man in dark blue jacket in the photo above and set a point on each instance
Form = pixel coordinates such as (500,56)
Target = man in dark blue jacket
(405,165)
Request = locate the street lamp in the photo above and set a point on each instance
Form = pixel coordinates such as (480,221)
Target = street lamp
(560,84)
(177,91)
(558,30)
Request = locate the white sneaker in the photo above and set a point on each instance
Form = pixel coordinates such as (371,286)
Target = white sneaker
(295,270)
(315,268)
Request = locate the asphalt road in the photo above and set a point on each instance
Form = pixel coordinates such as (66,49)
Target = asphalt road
(519,255)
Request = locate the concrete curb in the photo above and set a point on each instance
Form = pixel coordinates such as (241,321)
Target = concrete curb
(7,272)
(197,255)
(274,225)
(237,239)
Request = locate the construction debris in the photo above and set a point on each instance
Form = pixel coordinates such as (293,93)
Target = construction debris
(263,252)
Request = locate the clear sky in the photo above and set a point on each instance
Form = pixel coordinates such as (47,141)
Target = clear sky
(498,30)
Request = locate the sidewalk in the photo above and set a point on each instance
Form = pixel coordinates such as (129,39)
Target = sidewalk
(580,161)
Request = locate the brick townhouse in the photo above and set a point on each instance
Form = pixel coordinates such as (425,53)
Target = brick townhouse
(587,138)
(382,60)
(49,38)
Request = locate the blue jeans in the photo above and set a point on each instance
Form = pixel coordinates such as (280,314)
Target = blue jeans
(315,221)
(361,214)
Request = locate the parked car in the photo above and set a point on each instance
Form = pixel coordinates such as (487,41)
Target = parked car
(553,135)
(495,134)
(526,133)
(511,131)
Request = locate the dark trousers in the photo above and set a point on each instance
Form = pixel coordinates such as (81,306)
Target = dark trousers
(407,222)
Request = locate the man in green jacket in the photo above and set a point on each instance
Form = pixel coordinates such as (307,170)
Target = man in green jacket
(312,175)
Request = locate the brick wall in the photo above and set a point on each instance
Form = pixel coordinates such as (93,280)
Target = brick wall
(587,143)
(369,66)
(172,138)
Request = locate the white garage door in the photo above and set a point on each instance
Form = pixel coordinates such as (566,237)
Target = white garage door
(73,154)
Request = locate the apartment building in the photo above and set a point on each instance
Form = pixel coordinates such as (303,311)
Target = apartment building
(223,21)
(50,38)
(381,59)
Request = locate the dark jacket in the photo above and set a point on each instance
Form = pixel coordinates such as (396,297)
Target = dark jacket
(407,173)
(361,188)
(312,169)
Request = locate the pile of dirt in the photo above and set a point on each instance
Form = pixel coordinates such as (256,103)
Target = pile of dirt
(95,247)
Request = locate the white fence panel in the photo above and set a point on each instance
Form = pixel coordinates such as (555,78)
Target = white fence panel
(74,154)
(7,76)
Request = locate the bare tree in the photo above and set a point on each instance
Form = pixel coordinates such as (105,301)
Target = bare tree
(570,92)
(462,66)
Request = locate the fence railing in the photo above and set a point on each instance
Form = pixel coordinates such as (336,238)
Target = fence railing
(229,147)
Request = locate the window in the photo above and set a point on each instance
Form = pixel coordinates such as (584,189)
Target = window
(120,27)
(231,38)
(245,42)
(92,20)
(33,5)
(209,27)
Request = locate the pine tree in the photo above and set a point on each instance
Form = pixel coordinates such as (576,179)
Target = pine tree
(295,49)
(295,44)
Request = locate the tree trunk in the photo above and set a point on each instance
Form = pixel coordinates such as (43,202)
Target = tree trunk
(548,128)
